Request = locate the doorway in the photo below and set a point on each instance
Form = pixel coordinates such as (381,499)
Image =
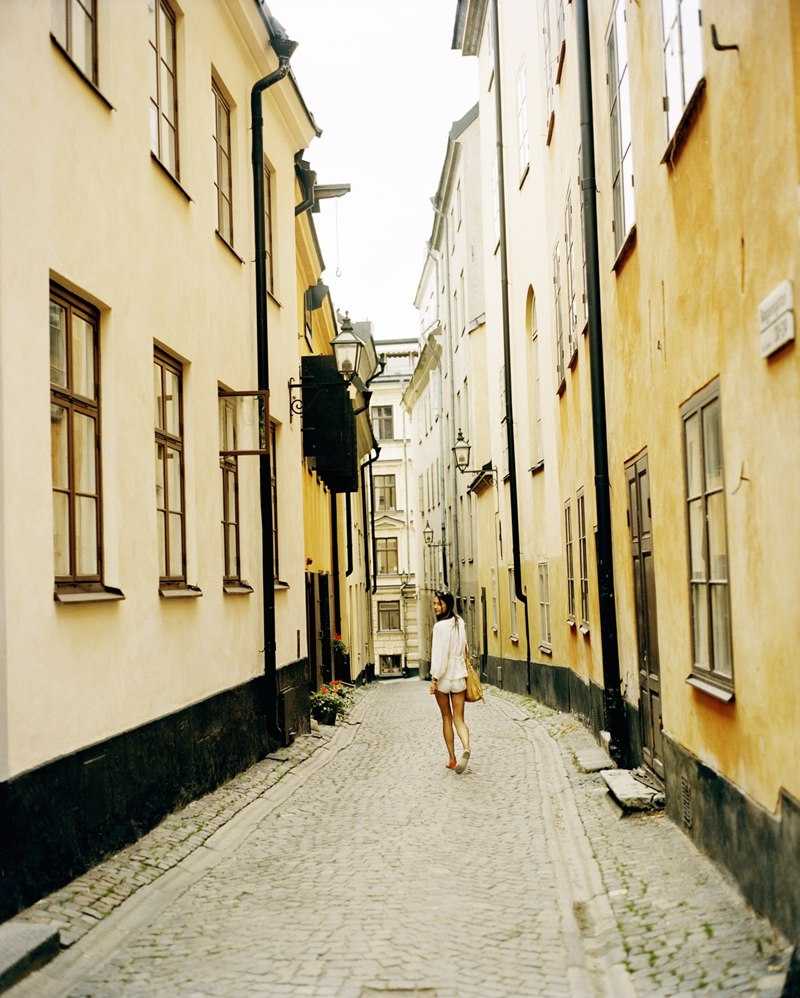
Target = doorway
(644,586)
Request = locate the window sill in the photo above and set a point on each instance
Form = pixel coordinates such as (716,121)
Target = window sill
(180,592)
(585,329)
(281,585)
(711,688)
(89,83)
(270,295)
(524,176)
(545,648)
(571,622)
(76,594)
(684,126)
(551,124)
(562,386)
(573,360)
(237,588)
(560,61)
(584,629)
(227,245)
(539,466)
(625,250)
(171,176)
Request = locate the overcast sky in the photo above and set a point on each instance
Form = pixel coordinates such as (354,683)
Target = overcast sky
(384,86)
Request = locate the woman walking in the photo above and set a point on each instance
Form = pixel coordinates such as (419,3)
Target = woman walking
(449,676)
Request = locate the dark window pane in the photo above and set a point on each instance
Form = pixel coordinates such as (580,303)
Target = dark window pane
(58,344)
(160,497)
(700,625)
(721,626)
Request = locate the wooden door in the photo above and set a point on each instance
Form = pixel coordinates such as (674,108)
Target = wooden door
(325,632)
(644,586)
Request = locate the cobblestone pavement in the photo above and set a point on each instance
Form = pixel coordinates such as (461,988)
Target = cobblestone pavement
(372,870)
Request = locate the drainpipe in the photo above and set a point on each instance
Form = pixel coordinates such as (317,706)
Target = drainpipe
(367,574)
(283,48)
(349,512)
(612,692)
(370,463)
(512,452)
(337,603)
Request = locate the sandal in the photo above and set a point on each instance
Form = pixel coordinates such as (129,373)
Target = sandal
(452,765)
(462,766)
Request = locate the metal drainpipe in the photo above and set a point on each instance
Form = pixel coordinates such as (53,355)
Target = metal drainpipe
(512,453)
(337,601)
(453,414)
(612,693)
(274,730)
(370,463)
(349,513)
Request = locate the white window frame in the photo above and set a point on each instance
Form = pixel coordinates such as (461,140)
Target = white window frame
(569,262)
(523,136)
(544,605)
(621,126)
(558,323)
(683,57)
(512,603)
(583,561)
(549,73)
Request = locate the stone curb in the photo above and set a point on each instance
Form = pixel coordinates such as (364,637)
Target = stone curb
(58,978)
(23,948)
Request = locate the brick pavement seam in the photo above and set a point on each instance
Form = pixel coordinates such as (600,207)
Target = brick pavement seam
(588,916)
(57,978)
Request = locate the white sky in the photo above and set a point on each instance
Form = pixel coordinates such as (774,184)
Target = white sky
(384,87)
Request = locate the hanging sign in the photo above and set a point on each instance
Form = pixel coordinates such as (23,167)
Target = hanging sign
(776,319)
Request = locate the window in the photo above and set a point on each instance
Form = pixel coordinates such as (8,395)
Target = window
(273,470)
(495,200)
(544,603)
(463,300)
(452,231)
(270,265)
(456,313)
(619,100)
(459,206)
(535,414)
(389,616)
(383,422)
(470,527)
(708,541)
(570,563)
(584,285)
(229,464)
(505,467)
(583,564)
(222,179)
(391,665)
(683,56)
(163,85)
(74,25)
(168,387)
(387,555)
(523,140)
(569,255)
(560,25)
(559,327)
(549,74)
(385,492)
(466,421)
(75,440)
(512,602)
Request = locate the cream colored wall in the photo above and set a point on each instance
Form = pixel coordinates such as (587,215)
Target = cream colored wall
(715,234)
(83,202)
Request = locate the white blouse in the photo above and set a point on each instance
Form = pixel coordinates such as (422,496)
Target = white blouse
(447,649)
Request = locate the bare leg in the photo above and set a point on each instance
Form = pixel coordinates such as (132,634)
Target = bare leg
(458,719)
(447,726)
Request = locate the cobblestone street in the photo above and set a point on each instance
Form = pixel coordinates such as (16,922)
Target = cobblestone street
(371,869)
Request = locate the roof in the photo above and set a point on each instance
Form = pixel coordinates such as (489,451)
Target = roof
(275,29)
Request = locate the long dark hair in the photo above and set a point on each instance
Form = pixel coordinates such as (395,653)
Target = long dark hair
(449,606)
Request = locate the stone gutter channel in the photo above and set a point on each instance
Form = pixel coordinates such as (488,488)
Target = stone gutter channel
(162,864)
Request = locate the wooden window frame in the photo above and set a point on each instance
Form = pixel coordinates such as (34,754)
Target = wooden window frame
(697,405)
(65,397)
(168,441)
(389,607)
(583,559)
(382,484)
(229,467)
(159,51)
(227,196)
(383,550)
(66,44)
(568,547)
(621,225)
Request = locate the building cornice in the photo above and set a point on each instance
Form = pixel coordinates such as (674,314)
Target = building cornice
(428,361)
(468,26)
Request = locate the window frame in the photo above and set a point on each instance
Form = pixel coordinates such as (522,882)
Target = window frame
(229,467)
(160,5)
(570,563)
(221,100)
(571,289)
(383,484)
(696,406)
(561,365)
(619,78)
(66,398)
(513,609)
(379,420)
(389,607)
(523,130)
(545,624)
(383,552)
(269,177)
(583,560)
(168,441)
(674,118)
(273,472)
(66,43)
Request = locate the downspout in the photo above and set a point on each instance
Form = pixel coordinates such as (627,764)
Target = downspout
(337,602)
(349,511)
(612,693)
(370,463)
(367,575)
(512,453)
(453,414)
(274,731)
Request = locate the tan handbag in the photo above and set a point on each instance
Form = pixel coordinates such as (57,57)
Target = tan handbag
(474,691)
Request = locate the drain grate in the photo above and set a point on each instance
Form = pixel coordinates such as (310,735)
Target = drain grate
(686,803)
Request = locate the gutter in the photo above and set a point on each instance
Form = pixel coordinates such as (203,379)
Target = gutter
(512,452)
(284,48)
(612,691)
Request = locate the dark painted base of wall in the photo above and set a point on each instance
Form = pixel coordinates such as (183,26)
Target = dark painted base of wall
(295,707)
(63,818)
(761,851)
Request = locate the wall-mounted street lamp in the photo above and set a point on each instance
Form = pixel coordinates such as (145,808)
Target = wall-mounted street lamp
(347,349)
(461,451)
(427,535)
